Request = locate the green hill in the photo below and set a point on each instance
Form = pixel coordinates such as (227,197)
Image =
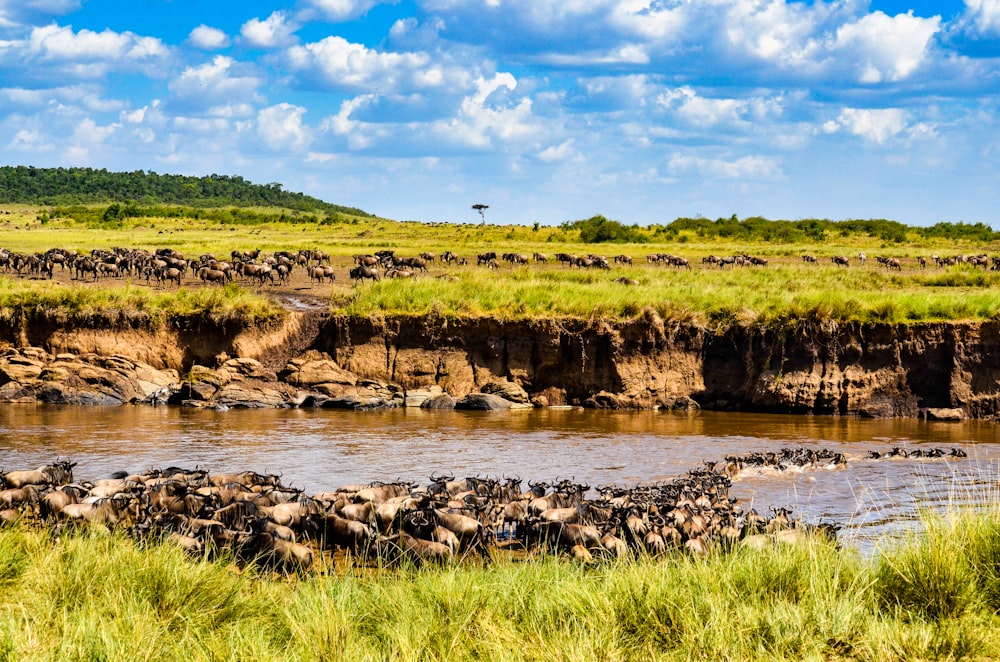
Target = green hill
(74,186)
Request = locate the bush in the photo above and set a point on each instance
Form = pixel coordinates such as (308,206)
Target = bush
(598,230)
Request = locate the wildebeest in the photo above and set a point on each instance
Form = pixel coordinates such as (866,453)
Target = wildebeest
(57,473)
(359,273)
(212,275)
(319,273)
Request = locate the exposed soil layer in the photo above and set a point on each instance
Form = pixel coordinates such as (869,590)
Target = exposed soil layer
(937,370)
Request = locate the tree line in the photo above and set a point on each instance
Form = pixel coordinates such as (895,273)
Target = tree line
(82,186)
(757,228)
(599,229)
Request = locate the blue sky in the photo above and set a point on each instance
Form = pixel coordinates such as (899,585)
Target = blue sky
(546,110)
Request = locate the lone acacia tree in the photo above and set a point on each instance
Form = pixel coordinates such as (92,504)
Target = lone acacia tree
(481,208)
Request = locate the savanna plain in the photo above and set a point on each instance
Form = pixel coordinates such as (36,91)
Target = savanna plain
(92,594)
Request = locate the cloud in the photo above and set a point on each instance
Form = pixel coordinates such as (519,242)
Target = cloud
(699,111)
(280,128)
(983,16)
(208,38)
(274,31)
(342,10)
(35,100)
(357,134)
(627,54)
(747,167)
(336,62)
(18,13)
(87,54)
(874,125)
(221,82)
(887,48)
(490,113)
(564,151)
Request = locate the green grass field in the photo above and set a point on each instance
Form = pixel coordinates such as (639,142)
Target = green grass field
(98,596)
(785,291)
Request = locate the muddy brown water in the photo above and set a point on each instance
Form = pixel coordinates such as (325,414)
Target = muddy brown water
(874,499)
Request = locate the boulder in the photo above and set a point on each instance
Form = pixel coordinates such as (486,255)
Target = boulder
(417,397)
(239,396)
(17,368)
(243,368)
(313,368)
(943,414)
(443,401)
(487,402)
(508,391)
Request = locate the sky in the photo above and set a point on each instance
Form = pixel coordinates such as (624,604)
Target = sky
(545,110)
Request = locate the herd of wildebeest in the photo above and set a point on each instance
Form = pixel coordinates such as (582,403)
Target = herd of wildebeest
(256,518)
(166,266)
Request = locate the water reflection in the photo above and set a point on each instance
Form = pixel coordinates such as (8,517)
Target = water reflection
(322,449)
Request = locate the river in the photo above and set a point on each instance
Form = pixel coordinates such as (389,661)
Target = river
(320,449)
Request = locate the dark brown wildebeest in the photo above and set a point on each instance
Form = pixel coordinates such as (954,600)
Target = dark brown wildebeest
(212,276)
(358,274)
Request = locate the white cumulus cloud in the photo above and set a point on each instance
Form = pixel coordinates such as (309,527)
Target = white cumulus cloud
(875,125)
(208,38)
(275,31)
(342,63)
(342,10)
(280,127)
(887,48)
(219,82)
(984,16)
(481,118)
(87,53)
(561,152)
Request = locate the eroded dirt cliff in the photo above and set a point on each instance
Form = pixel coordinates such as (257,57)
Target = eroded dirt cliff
(943,370)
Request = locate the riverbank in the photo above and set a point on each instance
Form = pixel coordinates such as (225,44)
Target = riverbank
(310,358)
(103,596)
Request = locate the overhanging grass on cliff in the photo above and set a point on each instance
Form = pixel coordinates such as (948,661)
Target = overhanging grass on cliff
(763,295)
(95,596)
(79,304)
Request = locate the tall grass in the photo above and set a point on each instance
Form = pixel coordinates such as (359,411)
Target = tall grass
(98,596)
(773,295)
(128,304)
(787,289)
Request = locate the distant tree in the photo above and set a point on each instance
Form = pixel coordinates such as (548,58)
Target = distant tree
(481,208)
(598,229)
